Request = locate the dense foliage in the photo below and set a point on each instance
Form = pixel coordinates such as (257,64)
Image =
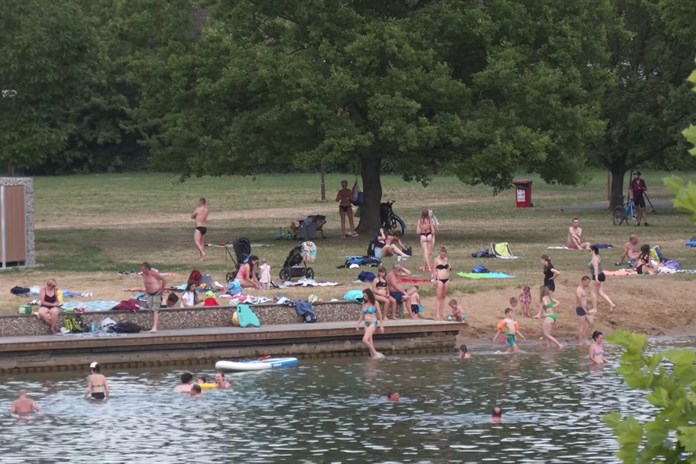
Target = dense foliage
(482,89)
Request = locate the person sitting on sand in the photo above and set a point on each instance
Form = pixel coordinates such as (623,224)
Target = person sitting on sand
(186,383)
(643,263)
(630,251)
(574,240)
(24,405)
(246,275)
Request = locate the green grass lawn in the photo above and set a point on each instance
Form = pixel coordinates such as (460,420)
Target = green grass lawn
(113,222)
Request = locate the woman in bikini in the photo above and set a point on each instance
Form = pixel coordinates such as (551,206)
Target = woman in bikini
(379,288)
(345,208)
(596,349)
(370,316)
(246,275)
(97,387)
(598,279)
(426,231)
(643,265)
(550,273)
(50,306)
(548,305)
(442,277)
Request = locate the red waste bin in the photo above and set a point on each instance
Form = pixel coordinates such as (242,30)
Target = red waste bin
(523,193)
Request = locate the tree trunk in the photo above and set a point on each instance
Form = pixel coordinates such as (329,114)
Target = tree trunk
(617,184)
(372,195)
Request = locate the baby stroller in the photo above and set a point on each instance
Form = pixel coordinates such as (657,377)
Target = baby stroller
(242,251)
(296,263)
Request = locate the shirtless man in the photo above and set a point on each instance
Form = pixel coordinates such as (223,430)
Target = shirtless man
(585,321)
(200,215)
(574,240)
(154,285)
(394,284)
(630,251)
(23,405)
(186,383)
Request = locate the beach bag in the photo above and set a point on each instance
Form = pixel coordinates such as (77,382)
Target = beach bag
(106,323)
(482,253)
(19,290)
(357,194)
(234,287)
(366,276)
(672,264)
(353,295)
(305,311)
(74,324)
(127,327)
(479,269)
(206,281)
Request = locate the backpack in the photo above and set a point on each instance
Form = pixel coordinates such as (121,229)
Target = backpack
(125,327)
(479,269)
(372,247)
(206,281)
(74,324)
(305,311)
(482,253)
(366,276)
(357,199)
(195,276)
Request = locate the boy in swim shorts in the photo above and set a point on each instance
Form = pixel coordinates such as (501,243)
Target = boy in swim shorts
(414,300)
(457,311)
(511,328)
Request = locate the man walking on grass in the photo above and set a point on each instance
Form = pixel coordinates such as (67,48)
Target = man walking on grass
(200,215)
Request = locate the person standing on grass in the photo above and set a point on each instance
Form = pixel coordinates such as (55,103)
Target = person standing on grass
(585,320)
(637,188)
(50,305)
(574,240)
(154,285)
(200,215)
(24,405)
(344,197)
(598,279)
(426,231)
(442,276)
(550,273)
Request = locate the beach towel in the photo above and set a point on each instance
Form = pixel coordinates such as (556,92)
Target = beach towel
(560,248)
(90,306)
(620,272)
(408,280)
(485,275)
(690,243)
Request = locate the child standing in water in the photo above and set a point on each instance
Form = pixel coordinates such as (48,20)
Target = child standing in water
(511,328)
(525,299)
(265,278)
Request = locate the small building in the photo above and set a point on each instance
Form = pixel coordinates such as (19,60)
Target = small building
(17,222)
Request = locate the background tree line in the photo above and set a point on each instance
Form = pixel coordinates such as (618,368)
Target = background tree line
(482,89)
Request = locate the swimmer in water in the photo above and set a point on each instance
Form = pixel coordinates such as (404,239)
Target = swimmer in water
(393,396)
(596,349)
(97,387)
(195,390)
(464,352)
(185,387)
(497,414)
(24,405)
(220,380)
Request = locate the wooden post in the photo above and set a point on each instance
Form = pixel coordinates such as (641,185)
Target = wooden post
(323,182)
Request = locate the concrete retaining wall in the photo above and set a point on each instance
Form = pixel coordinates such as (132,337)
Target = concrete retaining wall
(20,325)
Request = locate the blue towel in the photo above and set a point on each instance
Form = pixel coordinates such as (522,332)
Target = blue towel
(691,243)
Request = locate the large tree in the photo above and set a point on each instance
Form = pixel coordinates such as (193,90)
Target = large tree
(412,87)
(46,62)
(648,99)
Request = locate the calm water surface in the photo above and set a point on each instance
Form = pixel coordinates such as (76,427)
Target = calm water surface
(334,410)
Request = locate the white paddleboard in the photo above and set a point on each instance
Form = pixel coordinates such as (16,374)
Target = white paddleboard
(255,364)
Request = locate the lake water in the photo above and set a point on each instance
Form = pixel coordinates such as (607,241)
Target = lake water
(334,410)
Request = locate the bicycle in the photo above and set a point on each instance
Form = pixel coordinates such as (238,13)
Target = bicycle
(391,222)
(625,213)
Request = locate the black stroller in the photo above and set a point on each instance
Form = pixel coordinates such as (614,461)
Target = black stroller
(242,251)
(296,263)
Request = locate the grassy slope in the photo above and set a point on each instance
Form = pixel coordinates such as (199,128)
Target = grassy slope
(112,222)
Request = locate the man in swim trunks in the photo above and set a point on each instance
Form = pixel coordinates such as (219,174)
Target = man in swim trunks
(23,405)
(574,240)
(154,285)
(630,251)
(394,284)
(186,383)
(200,215)
(585,319)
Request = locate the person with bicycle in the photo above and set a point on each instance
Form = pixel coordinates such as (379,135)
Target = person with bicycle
(636,189)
